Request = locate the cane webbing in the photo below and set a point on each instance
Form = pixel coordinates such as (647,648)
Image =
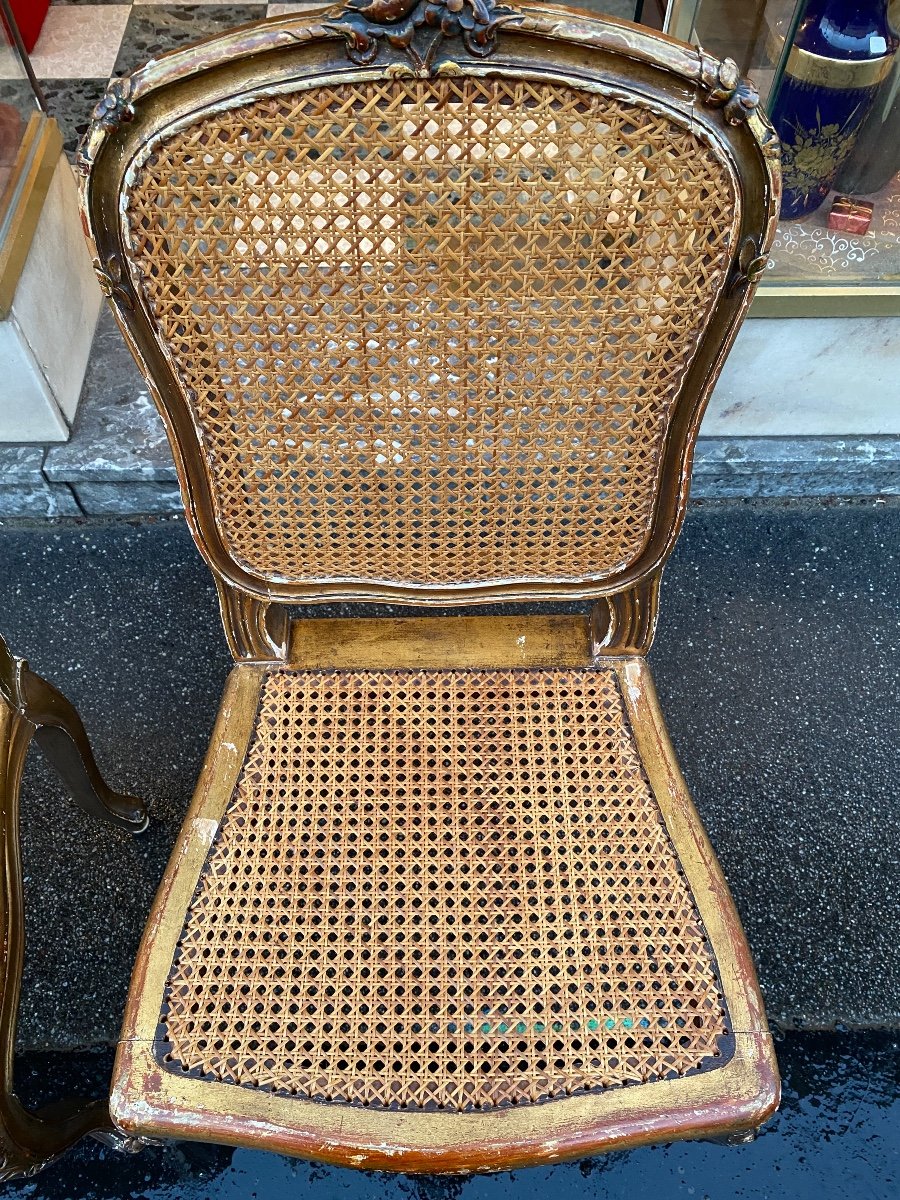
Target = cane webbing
(442,889)
(432,331)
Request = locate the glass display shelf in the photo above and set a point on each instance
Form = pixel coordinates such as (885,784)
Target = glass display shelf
(30,144)
(828,72)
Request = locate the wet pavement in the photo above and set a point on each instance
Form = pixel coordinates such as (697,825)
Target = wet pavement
(776,663)
(837,1137)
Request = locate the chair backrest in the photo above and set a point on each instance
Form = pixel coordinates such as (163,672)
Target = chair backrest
(432,297)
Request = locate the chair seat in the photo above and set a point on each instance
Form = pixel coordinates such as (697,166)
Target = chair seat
(443,919)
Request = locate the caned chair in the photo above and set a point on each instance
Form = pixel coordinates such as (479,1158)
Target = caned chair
(31,709)
(431,298)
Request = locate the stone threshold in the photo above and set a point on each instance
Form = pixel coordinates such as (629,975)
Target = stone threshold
(117,475)
(118,462)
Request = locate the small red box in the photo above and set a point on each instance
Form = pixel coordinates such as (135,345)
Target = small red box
(852,216)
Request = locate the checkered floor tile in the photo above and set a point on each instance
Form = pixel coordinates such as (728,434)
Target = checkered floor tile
(82,44)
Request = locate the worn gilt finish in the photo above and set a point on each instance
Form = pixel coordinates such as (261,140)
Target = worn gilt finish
(297,52)
(30,708)
(736,1096)
(431,297)
(737,97)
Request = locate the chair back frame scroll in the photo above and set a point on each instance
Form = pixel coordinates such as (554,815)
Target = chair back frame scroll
(561,74)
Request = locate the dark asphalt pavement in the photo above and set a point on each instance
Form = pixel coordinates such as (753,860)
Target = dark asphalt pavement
(837,1137)
(776,662)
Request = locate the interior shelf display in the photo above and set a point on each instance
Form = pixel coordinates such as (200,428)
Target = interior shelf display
(29,147)
(829,75)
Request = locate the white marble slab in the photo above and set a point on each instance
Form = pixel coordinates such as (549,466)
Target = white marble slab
(804,377)
(10,68)
(46,339)
(28,410)
(80,41)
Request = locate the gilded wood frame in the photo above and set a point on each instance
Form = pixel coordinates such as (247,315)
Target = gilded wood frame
(373,40)
(377,40)
(728,1102)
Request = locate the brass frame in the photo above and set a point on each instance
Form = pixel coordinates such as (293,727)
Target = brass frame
(303,49)
(680,18)
(827,300)
(27,190)
(794,298)
(31,708)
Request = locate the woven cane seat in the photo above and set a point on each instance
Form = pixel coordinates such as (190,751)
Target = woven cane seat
(470,911)
(444,890)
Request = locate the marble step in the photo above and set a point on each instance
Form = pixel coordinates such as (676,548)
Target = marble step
(118,463)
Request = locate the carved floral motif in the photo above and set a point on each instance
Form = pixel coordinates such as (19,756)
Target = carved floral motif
(749,268)
(365,22)
(112,282)
(737,96)
(115,106)
(113,109)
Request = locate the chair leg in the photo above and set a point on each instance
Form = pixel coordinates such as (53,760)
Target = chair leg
(121,1142)
(69,752)
(63,740)
(29,1141)
(30,708)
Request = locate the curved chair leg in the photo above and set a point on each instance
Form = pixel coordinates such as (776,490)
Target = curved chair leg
(31,708)
(61,736)
(69,752)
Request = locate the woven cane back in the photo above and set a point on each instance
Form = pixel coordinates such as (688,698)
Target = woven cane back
(434,333)
(432,330)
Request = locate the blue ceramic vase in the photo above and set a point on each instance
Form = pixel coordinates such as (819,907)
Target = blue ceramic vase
(842,52)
